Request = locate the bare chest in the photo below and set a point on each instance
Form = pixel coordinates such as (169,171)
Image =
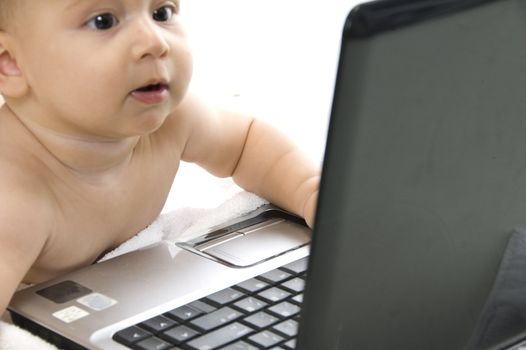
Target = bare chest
(93,218)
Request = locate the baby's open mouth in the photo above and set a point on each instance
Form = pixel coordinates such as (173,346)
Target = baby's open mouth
(151,93)
(152,88)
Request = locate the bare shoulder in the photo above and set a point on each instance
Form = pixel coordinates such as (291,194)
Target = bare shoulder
(25,222)
(189,114)
(25,212)
(209,135)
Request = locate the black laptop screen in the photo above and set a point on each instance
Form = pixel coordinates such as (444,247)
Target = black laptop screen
(424,182)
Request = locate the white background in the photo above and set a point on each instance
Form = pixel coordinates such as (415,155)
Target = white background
(276,59)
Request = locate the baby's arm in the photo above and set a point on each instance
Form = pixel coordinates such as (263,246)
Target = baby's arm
(271,165)
(21,238)
(258,157)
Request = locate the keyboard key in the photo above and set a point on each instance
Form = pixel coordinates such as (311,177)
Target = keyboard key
(297,267)
(179,334)
(261,320)
(274,276)
(216,318)
(266,338)
(153,343)
(285,309)
(157,324)
(184,313)
(296,284)
(240,345)
(131,335)
(252,285)
(202,306)
(291,344)
(220,336)
(289,328)
(189,311)
(274,294)
(225,296)
(298,298)
(250,304)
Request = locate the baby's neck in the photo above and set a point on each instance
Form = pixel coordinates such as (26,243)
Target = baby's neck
(84,155)
(88,156)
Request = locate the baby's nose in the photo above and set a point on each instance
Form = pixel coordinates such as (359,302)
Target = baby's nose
(150,41)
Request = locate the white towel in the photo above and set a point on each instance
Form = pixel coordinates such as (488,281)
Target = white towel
(179,224)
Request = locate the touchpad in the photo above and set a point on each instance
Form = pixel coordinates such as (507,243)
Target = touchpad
(252,240)
(254,245)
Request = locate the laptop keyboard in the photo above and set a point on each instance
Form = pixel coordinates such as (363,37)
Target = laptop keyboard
(259,313)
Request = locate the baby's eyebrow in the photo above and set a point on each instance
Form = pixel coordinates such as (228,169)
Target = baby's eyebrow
(73,3)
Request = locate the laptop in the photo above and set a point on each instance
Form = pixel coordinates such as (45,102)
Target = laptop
(419,227)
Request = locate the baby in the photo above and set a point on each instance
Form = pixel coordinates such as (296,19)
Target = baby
(96,120)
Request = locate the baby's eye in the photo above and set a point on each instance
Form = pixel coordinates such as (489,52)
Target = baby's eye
(103,21)
(164,13)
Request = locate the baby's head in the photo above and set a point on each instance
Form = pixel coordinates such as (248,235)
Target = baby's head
(110,68)
(6,12)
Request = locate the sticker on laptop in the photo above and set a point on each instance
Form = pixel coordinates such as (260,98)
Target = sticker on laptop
(97,301)
(70,314)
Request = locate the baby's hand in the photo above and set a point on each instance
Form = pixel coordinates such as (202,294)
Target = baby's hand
(309,210)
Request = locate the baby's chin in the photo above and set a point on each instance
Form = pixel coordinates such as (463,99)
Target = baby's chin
(150,124)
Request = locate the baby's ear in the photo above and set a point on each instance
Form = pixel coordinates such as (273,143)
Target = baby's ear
(12,81)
